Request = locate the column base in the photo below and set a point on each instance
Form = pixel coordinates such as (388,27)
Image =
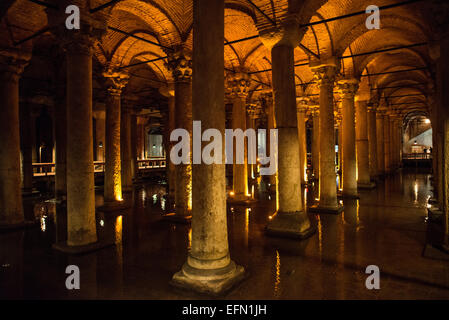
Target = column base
(294,225)
(317,208)
(241,201)
(110,206)
(348,196)
(177,218)
(65,248)
(366,186)
(208,281)
(30,193)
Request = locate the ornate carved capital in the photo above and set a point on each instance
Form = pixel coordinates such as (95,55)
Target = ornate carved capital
(253,111)
(302,104)
(12,63)
(115,81)
(348,88)
(180,64)
(285,33)
(238,84)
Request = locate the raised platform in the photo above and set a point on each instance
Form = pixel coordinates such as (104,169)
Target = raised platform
(75,250)
(293,225)
(173,217)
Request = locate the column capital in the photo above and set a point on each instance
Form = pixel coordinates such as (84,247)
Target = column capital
(12,63)
(285,33)
(115,81)
(180,64)
(302,104)
(348,88)
(325,71)
(237,84)
(253,111)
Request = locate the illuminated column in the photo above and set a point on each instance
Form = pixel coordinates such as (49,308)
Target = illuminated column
(12,64)
(363,173)
(290,219)
(209,268)
(112,175)
(181,65)
(252,114)
(380,142)
(100,133)
(126,108)
(238,84)
(171,169)
(348,89)
(271,124)
(338,122)
(325,77)
(387,133)
(316,142)
(301,117)
(81,226)
(372,142)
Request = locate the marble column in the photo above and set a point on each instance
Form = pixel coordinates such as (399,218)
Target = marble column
(325,76)
(387,141)
(171,170)
(125,145)
(271,124)
(27,132)
(348,88)
(316,143)
(380,142)
(372,142)
(301,118)
(81,226)
(363,172)
(290,219)
(100,134)
(238,84)
(115,82)
(252,113)
(12,64)
(209,268)
(181,66)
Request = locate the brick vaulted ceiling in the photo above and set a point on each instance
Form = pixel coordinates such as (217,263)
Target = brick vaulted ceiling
(169,23)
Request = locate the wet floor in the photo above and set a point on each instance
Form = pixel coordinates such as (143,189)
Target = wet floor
(386,228)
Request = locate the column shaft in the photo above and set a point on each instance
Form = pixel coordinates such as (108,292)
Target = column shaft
(363,174)
(372,141)
(387,141)
(11,209)
(380,143)
(316,144)
(81,224)
(301,114)
(125,147)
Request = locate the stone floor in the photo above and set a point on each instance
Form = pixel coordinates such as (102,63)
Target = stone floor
(386,227)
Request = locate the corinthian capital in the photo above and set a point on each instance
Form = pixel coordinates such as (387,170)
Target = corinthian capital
(12,63)
(115,80)
(238,84)
(325,71)
(348,88)
(180,64)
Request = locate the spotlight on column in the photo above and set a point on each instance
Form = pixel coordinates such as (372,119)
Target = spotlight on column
(426,120)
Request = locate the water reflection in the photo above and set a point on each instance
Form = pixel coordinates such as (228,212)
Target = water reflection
(277,280)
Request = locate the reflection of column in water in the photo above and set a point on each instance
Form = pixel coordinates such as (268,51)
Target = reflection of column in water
(11,265)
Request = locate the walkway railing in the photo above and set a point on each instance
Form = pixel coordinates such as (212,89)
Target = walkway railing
(48,168)
(416,156)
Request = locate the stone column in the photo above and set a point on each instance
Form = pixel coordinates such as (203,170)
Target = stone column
(125,145)
(338,122)
(316,143)
(252,113)
(348,88)
(12,64)
(81,226)
(380,142)
(181,65)
(325,77)
(271,124)
(387,133)
(372,142)
(301,118)
(171,170)
(115,82)
(100,134)
(363,172)
(290,219)
(238,84)
(209,268)
(133,140)
(27,130)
